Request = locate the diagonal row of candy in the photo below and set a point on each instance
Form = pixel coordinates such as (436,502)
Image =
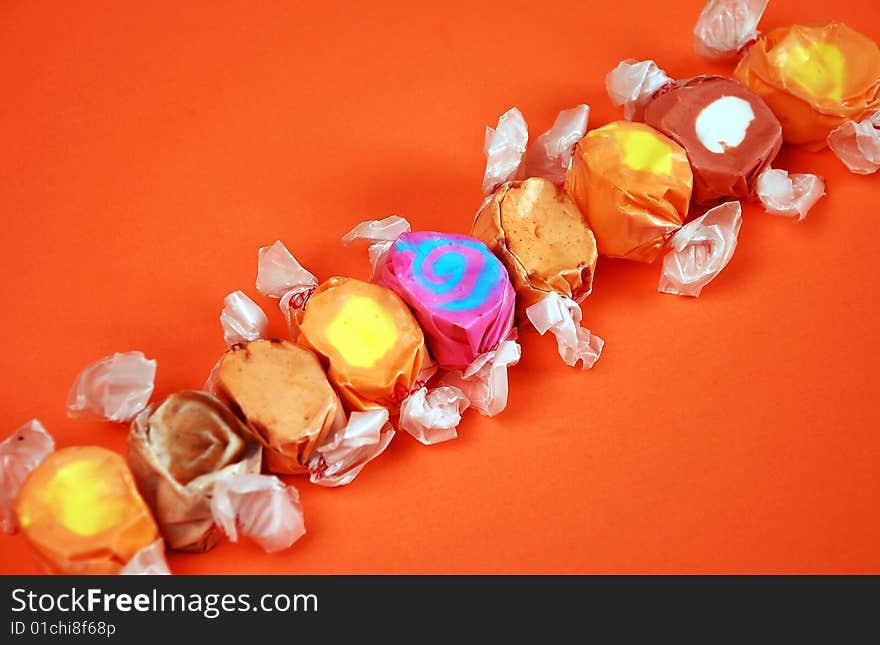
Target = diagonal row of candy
(434,330)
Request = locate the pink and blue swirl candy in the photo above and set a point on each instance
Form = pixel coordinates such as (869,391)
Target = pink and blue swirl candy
(458,290)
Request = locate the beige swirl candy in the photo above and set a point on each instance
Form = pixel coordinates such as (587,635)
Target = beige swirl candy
(177,452)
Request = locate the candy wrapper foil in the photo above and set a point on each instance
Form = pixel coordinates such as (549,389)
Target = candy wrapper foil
(541,238)
(633,83)
(368,339)
(177,451)
(789,195)
(633,186)
(728,132)
(242,319)
(505,146)
(349,448)
(726,27)
(20,454)
(281,392)
(380,234)
(432,416)
(484,382)
(260,507)
(550,155)
(814,78)
(857,144)
(561,316)
(700,250)
(149,561)
(458,290)
(114,388)
(81,512)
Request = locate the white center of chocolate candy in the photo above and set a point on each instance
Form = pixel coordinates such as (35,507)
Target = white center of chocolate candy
(723,123)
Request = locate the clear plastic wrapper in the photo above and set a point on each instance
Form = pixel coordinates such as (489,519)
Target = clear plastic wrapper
(633,83)
(260,507)
(177,450)
(857,144)
(484,382)
(561,316)
(149,561)
(380,234)
(726,27)
(115,388)
(242,319)
(550,155)
(789,195)
(20,454)
(432,416)
(349,448)
(505,146)
(700,250)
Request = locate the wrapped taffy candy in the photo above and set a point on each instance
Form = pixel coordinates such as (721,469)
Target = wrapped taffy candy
(81,512)
(281,392)
(372,347)
(813,77)
(458,290)
(177,451)
(728,132)
(462,297)
(538,232)
(633,184)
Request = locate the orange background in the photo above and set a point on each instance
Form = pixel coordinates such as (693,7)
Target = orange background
(150,148)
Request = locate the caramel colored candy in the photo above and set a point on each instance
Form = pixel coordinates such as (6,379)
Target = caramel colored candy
(633,185)
(82,514)
(282,393)
(539,234)
(814,78)
(368,337)
(177,451)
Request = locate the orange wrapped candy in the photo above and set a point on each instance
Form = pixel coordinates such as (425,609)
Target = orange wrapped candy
(633,185)
(82,514)
(814,78)
(539,234)
(282,393)
(372,344)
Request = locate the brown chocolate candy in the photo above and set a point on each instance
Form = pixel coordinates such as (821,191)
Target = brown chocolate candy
(728,132)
